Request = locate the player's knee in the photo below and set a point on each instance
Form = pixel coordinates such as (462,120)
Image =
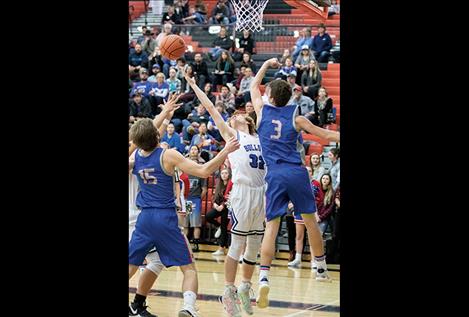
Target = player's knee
(252,248)
(154,263)
(189,269)
(236,247)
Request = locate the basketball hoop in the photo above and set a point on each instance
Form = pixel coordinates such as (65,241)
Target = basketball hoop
(249,14)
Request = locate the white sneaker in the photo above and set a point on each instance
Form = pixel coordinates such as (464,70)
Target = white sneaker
(245,299)
(231,302)
(314,267)
(322,275)
(240,259)
(295,263)
(218,252)
(218,233)
(189,311)
(263,295)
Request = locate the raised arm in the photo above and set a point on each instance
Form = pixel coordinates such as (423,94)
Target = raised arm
(166,114)
(304,124)
(225,131)
(256,96)
(173,158)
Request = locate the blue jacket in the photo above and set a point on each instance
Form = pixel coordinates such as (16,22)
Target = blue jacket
(174,141)
(144,88)
(321,43)
(137,59)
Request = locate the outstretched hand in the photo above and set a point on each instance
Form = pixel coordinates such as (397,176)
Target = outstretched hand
(232,145)
(190,80)
(171,105)
(273,63)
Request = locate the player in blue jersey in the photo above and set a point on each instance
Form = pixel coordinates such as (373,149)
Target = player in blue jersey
(157,224)
(154,266)
(279,126)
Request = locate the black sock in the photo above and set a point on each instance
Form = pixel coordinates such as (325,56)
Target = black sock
(139,300)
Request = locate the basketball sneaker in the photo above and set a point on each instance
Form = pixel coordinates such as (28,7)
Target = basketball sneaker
(322,275)
(314,266)
(245,298)
(189,311)
(218,233)
(218,252)
(134,310)
(263,295)
(295,263)
(231,301)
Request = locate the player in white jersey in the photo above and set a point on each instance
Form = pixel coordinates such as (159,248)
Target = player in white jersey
(154,266)
(246,200)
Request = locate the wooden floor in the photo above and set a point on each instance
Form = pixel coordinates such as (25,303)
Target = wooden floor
(294,292)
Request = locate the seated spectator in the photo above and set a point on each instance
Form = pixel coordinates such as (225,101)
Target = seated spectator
(172,139)
(222,42)
(138,59)
(334,157)
(286,54)
(240,74)
(205,142)
(334,8)
(249,108)
(326,206)
(304,39)
(208,92)
(220,209)
(291,79)
(171,17)
(248,62)
(311,79)
(194,17)
(180,9)
(143,86)
(141,38)
(246,45)
(192,123)
(224,70)
(212,127)
(181,66)
(173,82)
(305,104)
(302,62)
(323,107)
(167,27)
(322,44)
(231,11)
(220,14)
(188,94)
(227,98)
(167,64)
(149,43)
(139,107)
(200,70)
(155,70)
(159,93)
(244,94)
(286,70)
(156,59)
(201,8)
(317,169)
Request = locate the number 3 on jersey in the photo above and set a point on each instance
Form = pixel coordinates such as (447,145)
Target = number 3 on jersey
(256,161)
(277,129)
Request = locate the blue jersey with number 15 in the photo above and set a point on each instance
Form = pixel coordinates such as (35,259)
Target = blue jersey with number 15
(278,135)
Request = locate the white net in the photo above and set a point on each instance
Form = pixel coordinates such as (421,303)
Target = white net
(249,14)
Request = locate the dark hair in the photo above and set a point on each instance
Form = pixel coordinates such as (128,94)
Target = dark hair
(280,92)
(221,187)
(336,152)
(182,59)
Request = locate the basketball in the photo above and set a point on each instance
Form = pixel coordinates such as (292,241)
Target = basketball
(172,47)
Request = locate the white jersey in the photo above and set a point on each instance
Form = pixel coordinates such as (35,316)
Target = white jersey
(247,163)
(133,191)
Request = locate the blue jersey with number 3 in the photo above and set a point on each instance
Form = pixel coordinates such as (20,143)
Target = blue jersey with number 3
(278,135)
(156,185)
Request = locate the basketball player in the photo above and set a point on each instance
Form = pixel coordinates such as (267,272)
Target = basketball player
(154,266)
(246,199)
(157,224)
(287,179)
